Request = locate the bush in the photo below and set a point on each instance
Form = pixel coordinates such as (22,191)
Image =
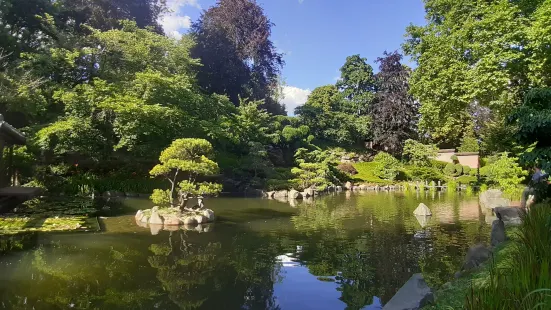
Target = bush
(366,173)
(454,158)
(473,172)
(468,144)
(347,168)
(419,154)
(424,174)
(458,170)
(449,170)
(440,165)
(505,172)
(466,170)
(466,179)
(387,166)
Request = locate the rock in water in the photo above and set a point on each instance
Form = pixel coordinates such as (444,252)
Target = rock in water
(492,199)
(190,220)
(476,255)
(309,192)
(139,215)
(293,194)
(422,210)
(281,194)
(172,221)
(415,294)
(270,194)
(498,232)
(209,214)
(155,218)
(348,185)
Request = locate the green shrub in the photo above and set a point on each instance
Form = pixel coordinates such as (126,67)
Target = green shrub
(505,172)
(458,170)
(452,186)
(454,158)
(419,154)
(468,144)
(387,166)
(425,174)
(521,271)
(449,170)
(473,172)
(466,170)
(466,179)
(440,165)
(278,184)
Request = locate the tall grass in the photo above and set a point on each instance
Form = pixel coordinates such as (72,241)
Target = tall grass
(522,277)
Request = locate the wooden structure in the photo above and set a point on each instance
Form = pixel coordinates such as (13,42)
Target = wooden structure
(10,195)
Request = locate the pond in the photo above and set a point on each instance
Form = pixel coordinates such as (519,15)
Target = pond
(346,251)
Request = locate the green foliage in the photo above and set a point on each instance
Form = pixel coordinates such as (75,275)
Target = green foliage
(419,154)
(449,170)
(430,174)
(466,170)
(468,144)
(466,180)
(387,166)
(440,165)
(454,158)
(522,272)
(504,172)
(189,157)
(161,197)
(458,170)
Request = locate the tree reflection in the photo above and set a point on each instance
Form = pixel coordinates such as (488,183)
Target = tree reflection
(208,275)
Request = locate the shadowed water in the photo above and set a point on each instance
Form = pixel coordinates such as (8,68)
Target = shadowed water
(349,251)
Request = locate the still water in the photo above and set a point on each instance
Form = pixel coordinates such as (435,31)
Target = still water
(348,251)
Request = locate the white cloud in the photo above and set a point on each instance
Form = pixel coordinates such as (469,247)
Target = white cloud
(174,22)
(294,97)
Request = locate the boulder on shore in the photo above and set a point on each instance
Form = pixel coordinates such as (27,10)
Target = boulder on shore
(413,295)
(476,255)
(348,186)
(493,198)
(422,210)
(293,194)
(281,194)
(498,232)
(309,192)
(270,194)
(509,215)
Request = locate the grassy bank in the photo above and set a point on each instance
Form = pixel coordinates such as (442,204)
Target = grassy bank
(517,277)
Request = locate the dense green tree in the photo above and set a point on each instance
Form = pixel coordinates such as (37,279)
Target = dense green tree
(394,115)
(326,115)
(483,52)
(357,84)
(238,57)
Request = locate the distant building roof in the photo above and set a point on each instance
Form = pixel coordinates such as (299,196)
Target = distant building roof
(9,134)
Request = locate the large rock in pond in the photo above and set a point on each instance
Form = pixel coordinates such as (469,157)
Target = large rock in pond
(349,186)
(270,195)
(509,215)
(293,194)
(309,192)
(281,194)
(415,294)
(498,232)
(476,255)
(139,215)
(493,198)
(155,218)
(172,220)
(422,210)
(208,214)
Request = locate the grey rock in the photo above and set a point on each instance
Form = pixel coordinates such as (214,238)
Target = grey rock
(208,214)
(492,199)
(200,219)
(309,192)
(457,275)
(339,188)
(172,221)
(270,194)
(189,220)
(498,232)
(348,185)
(422,210)
(415,294)
(155,219)
(139,215)
(476,255)
(281,194)
(510,216)
(293,194)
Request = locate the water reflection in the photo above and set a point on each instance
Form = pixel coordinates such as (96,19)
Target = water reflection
(337,252)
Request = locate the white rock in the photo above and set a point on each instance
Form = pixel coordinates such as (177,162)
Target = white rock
(415,294)
(208,214)
(293,194)
(422,210)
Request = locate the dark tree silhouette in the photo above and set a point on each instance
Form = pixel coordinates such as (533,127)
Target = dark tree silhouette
(239,60)
(395,114)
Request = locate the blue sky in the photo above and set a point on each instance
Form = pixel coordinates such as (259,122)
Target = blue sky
(316,36)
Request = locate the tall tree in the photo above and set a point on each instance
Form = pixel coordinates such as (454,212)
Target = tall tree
(395,114)
(469,51)
(238,57)
(357,84)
